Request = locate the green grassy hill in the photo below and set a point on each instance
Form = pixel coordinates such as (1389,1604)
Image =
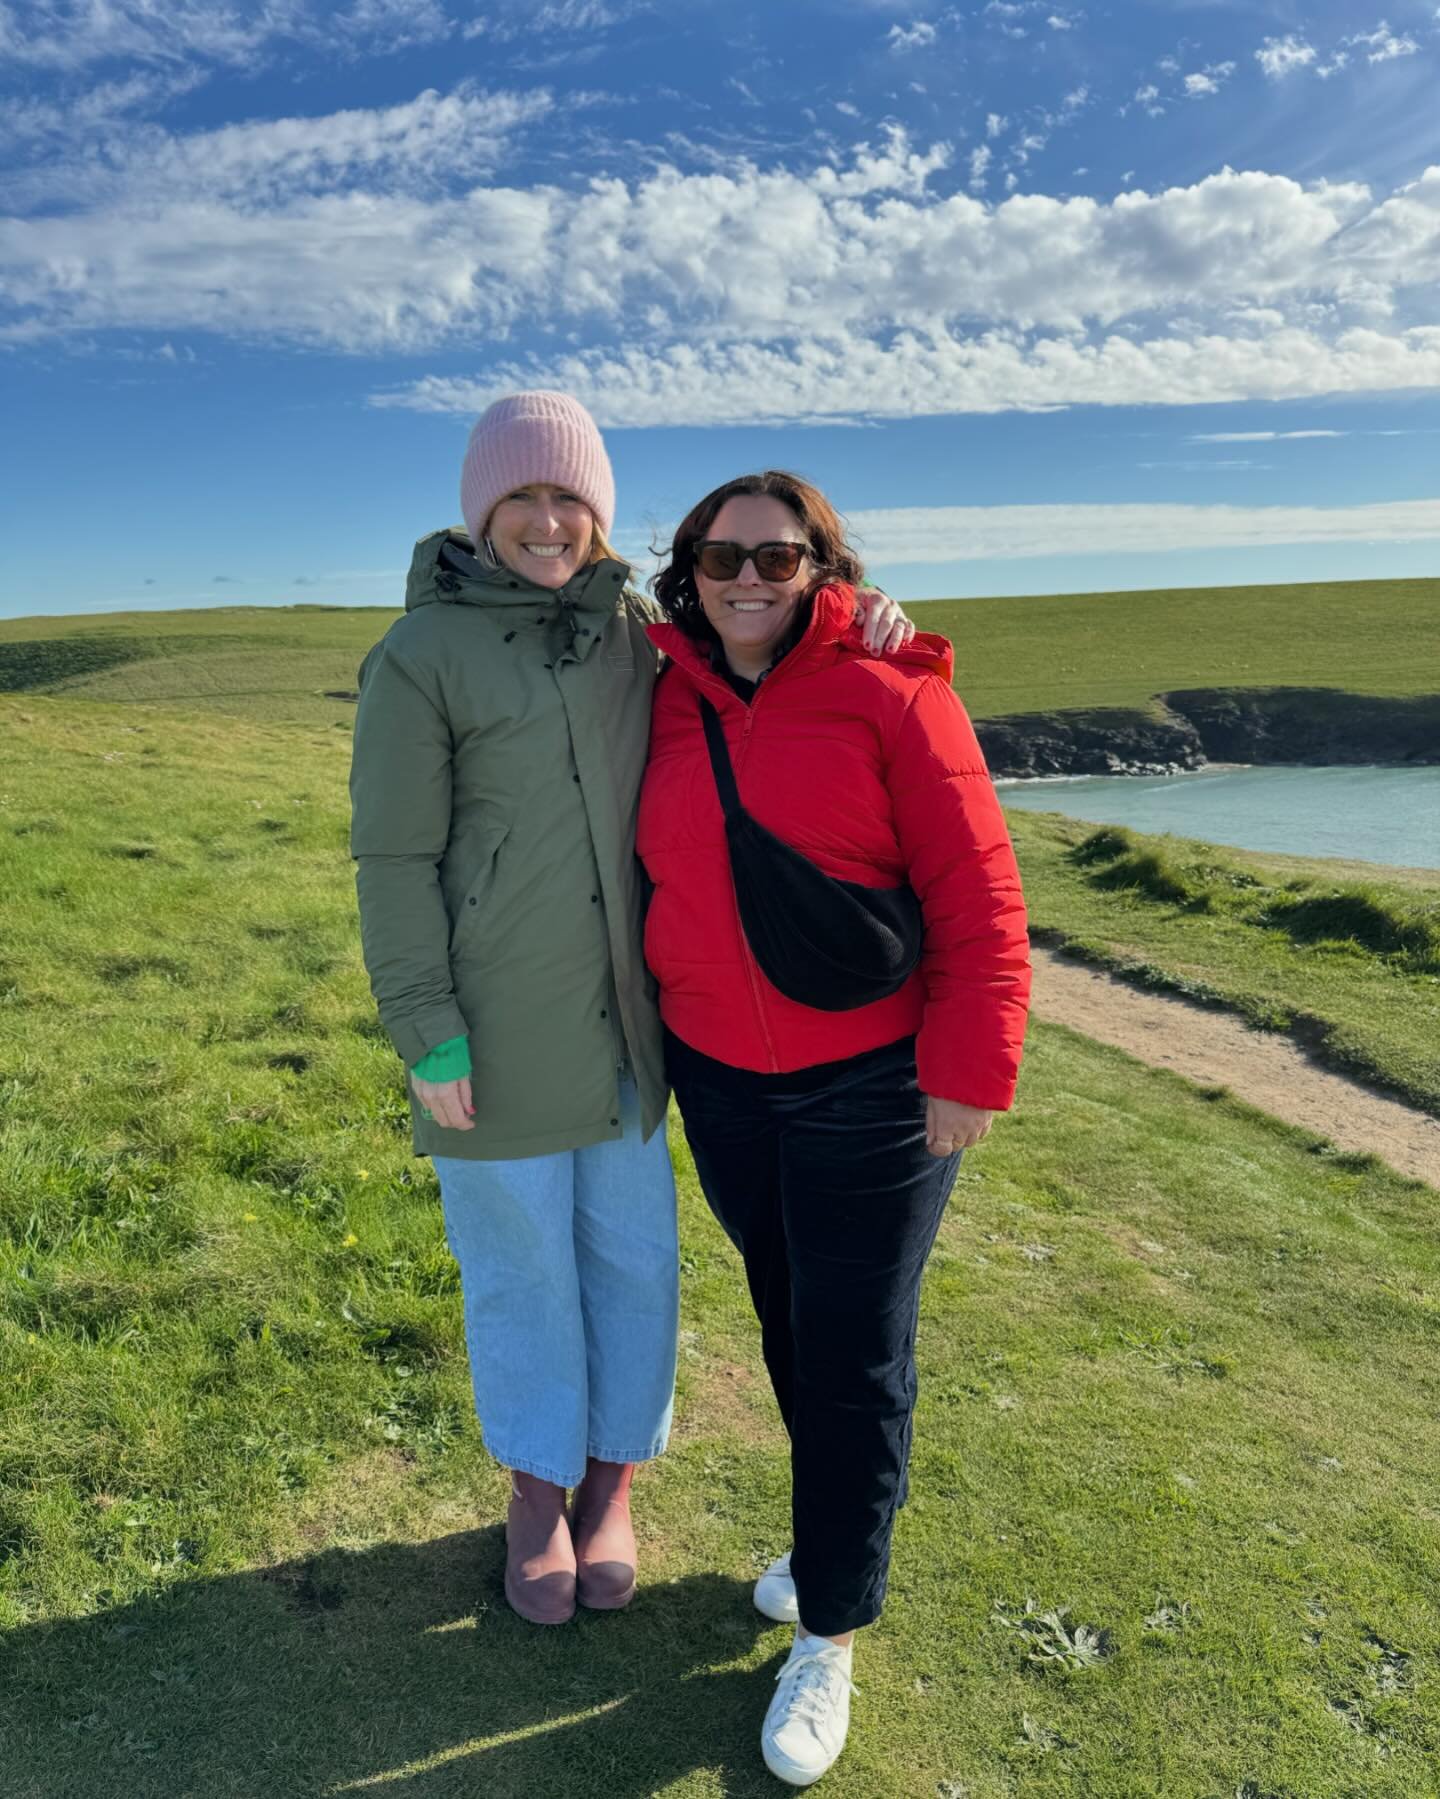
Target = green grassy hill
(1052,653)
(1179,1385)
(1012,655)
(264,662)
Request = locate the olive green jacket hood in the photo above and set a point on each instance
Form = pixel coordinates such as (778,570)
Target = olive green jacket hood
(500,742)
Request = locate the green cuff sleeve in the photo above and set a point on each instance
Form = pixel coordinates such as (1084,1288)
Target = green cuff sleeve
(449,1061)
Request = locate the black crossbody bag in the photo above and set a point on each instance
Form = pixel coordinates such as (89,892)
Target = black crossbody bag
(831,944)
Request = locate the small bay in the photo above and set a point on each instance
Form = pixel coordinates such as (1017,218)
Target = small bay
(1384,815)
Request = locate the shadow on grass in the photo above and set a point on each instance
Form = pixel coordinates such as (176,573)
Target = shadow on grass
(395,1668)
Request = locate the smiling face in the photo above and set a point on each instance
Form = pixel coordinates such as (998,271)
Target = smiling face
(751,616)
(543,533)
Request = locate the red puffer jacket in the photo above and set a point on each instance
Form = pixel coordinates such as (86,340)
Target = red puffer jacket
(868,765)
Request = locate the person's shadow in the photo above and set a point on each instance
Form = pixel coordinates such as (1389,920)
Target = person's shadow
(397,1668)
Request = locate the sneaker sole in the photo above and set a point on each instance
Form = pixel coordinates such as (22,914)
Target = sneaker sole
(780,1612)
(787,1771)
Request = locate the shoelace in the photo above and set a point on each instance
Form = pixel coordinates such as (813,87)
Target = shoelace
(811,1677)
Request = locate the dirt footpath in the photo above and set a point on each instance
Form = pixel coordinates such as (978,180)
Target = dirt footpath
(1264,1069)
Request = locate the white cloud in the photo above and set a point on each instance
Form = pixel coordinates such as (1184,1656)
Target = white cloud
(99,108)
(1210,466)
(909,535)
(264,166)
(1056,23)
(561,15)
(1382,45)
(979,163)
(995,123)
(842,376)
(75,34)
(1279,57)
(1258,437)
(916,37)
(1148,96)
(384,230)
(1200,86)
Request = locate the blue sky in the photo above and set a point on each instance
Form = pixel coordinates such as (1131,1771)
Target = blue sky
(1049,298)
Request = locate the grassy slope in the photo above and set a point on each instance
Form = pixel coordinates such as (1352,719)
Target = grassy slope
(1012,655)
(1192,918)
(1174,1356)
(1118,649)
(265,662)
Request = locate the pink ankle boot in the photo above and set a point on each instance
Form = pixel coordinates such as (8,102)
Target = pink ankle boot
(603,1535)
(539,1556)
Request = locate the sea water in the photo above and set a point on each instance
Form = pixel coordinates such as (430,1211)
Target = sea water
(1389,815)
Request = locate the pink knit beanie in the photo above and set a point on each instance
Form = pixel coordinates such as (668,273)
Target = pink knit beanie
(534,437)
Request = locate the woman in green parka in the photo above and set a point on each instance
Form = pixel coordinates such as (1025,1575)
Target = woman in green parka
(500,742)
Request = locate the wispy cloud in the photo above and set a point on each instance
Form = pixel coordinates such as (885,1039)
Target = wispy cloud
(267,165)
(973,533)
(1258,437)
(560,16)
(1205,82)
(980,158)
(1382,44)
(844,375)
(1282,56)
(918,36)
(77,34)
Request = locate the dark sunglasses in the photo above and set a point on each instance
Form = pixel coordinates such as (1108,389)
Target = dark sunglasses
(722,561)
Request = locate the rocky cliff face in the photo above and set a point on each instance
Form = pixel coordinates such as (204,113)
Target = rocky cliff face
(1318,726)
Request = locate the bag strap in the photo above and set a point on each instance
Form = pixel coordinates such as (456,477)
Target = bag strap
(719,758)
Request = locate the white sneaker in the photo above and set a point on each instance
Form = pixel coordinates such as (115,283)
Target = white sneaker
(775,1592)
(809,1716)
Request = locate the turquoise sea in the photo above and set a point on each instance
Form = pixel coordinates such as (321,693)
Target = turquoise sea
(1388,815)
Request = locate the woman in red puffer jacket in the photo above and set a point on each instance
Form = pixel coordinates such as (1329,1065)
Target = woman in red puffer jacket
(827,1142)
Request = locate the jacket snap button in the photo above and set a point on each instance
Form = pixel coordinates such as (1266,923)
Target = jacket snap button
(594,899)
(614,1121)
(473,900)
(604,1014)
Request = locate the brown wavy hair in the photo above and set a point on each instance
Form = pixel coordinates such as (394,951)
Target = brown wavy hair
(832,558)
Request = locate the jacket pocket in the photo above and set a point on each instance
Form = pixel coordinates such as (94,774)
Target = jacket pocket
(470,910)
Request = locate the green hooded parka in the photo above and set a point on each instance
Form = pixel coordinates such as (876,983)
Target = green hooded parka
(500,742)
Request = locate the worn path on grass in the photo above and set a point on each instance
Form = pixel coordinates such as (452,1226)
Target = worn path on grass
(1263,1068)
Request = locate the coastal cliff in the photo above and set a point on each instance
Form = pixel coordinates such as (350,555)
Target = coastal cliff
(1186,729)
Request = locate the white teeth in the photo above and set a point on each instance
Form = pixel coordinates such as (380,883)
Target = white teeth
(547,549)
(750,605)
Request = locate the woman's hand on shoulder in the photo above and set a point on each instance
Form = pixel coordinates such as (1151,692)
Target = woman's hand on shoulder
(950,1126)
(447,1102)
(885,626)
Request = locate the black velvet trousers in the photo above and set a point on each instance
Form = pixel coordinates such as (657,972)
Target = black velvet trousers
(823,1182)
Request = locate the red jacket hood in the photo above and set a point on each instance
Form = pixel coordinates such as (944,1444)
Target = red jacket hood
(832,631)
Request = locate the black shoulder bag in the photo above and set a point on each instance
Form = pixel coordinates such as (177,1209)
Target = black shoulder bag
(831,944)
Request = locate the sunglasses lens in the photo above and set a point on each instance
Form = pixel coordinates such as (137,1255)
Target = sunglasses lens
(719,561)
(777,561)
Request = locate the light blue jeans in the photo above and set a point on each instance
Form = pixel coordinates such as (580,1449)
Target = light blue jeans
(569,1268)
